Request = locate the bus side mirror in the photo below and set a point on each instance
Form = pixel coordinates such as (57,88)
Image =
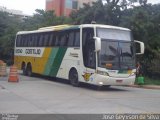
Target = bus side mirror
(97,44)
(139,47)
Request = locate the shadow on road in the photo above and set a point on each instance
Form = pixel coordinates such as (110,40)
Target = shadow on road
(101,88)
(81,85)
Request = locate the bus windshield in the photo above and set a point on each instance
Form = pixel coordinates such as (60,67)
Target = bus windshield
(117,49)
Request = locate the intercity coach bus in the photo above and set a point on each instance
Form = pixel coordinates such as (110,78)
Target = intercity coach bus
(90,53)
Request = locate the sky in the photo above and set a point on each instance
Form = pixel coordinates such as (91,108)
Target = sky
(29,6)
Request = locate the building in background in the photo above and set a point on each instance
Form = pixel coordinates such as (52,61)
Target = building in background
(65,7)
(17,13)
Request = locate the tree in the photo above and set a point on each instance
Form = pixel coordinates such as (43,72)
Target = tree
(42,19)
(142,18)
(104,14)
(8,29)
(10,25)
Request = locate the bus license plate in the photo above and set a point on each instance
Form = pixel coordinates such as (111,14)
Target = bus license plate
(119,81)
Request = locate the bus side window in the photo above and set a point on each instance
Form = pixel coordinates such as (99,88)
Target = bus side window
(25,41)
(38,39)
(21,42)
(52,39)
(41,40)
(30,40)
(46,39)
(57,39)
(67,39)
(18,41)
(77,39)
(70,39)
(62,39)
(35,40)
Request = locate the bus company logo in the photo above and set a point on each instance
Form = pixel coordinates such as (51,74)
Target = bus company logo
(87,76)
(18,51)
(33,51)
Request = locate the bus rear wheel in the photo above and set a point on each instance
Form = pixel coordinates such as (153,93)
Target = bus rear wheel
(29,71)
(73,77)
(24,70)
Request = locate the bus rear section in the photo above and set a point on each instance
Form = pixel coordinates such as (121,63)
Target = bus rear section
(48,51)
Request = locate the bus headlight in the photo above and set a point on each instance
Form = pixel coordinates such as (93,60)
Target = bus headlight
(133,74)
(100,83)
(102,73)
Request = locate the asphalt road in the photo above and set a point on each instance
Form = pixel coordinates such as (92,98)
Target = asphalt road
(42,95)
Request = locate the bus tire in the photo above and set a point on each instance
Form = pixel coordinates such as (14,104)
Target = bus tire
(24,71)
(29,70)
(73,77)
(23,68)
(107,86)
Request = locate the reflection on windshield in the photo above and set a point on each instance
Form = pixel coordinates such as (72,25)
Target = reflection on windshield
(117,54)
(114,34)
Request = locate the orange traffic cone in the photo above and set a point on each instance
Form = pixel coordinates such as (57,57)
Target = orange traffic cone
(3,71)
(13,75)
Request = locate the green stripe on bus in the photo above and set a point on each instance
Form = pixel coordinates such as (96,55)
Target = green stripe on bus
(57,61)
(50,61)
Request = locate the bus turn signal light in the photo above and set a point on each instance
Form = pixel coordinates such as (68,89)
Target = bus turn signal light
(108,65)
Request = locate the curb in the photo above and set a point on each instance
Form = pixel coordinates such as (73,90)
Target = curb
(145,86)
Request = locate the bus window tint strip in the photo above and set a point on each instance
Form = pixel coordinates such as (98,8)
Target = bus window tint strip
(64,38)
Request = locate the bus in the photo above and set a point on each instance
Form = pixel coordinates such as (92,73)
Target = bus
(90,53)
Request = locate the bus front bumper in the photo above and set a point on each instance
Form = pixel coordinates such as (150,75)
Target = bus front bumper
(107,80)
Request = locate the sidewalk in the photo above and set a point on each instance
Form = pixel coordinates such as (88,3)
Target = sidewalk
(146,86)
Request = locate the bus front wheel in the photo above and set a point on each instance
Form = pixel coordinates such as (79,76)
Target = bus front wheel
(73,77)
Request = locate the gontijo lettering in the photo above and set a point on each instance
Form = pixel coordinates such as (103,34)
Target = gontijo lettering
(33,51)
(19,51)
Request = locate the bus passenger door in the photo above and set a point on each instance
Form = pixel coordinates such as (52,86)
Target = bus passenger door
(89,55)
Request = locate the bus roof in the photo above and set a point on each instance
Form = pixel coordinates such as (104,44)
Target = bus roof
(50,28)
(104,26)
(66,27)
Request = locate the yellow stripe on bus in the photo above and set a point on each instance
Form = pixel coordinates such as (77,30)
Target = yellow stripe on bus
(41,62)
(38,63)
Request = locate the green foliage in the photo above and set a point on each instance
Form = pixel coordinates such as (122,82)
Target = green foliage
(10,25)
(144,22)
(104,14)
(8,29)
(142,18)
(149,81)
(42,19)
